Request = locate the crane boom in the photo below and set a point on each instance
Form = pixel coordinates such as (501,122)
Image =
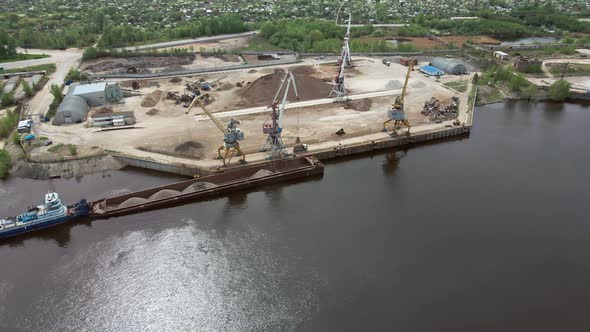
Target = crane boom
(410,68)
(209,114)
(289,78)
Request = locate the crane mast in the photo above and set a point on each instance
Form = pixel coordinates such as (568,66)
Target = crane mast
(338,90)
(231,134)
(273,127)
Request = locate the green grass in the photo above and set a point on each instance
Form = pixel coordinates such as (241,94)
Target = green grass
(23,57)
(573,69)
(259,44)
(488,94)
(460,85)
(55,148)
(48,67)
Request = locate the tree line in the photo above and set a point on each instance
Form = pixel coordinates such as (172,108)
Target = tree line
(321,36)
(97,27)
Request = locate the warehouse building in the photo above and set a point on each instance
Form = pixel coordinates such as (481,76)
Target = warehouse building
(450,66)
(80,97)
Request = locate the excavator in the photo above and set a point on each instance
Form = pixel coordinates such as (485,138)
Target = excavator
(231,134)
(397,113)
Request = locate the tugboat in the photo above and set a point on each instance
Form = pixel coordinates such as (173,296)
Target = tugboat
(51,213)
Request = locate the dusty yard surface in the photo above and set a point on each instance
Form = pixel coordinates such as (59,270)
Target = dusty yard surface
(225,44)
(426,43)
(107,65)
(165,132)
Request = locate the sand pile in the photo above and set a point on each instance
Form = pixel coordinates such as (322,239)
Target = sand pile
(394,85)
(362,105)
(175,80)
(227,86)
(262,91)
(418,84)
(152,99)
(191,149)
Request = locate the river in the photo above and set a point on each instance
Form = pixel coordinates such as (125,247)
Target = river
(486,233)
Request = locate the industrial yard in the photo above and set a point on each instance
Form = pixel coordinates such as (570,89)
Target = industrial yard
(164,132)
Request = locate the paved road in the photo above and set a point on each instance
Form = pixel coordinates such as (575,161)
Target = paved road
(191,41)
(315,102)
(391,25)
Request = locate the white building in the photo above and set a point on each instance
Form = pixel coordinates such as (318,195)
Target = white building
(501,55)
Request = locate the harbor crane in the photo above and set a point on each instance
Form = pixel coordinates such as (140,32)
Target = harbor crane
(231,134)
(273,126)
(397,113)
(344,61)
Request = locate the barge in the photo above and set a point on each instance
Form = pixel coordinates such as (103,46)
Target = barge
(207,186)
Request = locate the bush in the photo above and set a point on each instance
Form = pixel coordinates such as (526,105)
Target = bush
(76,75)
(533,69)
(26,88)
(73,150)
(517,82)
(8,123)
(5,163)
(15,138)
(7,99)
(559,90)
(529,92)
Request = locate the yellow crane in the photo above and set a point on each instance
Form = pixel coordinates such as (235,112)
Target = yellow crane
(397,113)
(231,134)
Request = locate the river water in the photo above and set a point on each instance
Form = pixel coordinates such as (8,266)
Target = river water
(486,233)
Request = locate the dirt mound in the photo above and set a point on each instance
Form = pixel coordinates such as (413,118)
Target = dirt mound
(132,201)
(175,80)
(252,71)
(140,63)
(103,110)
(261,173)
(165,193)
(173,68)
(262,91)
(198,186)
(418,84)
(363,105)
(188,146)
(190,149)
(152,112)
(229,57)
(227,86)
(152,99)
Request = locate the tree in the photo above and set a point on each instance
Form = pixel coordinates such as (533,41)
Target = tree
(559,90)
(516,82)
(57,92)
(5,163)
(529,92)
(26,88)
(315,35)
(267,29)
(90,53)
(12,19)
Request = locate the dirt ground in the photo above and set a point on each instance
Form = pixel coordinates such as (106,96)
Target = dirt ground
(225,44)
(262,90)
(105,65)
(165,131)
(425,43)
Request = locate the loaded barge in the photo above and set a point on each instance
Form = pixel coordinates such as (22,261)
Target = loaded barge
(207,186)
